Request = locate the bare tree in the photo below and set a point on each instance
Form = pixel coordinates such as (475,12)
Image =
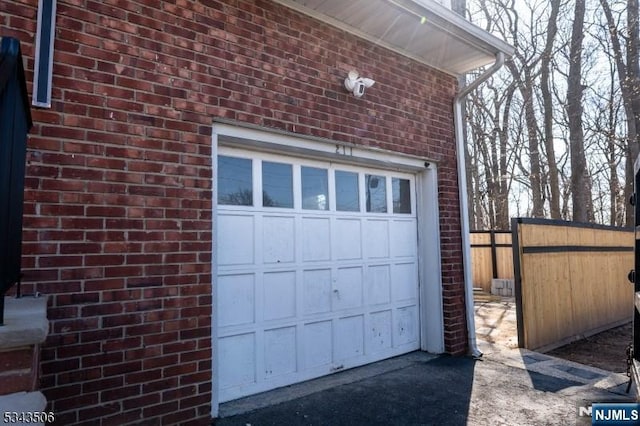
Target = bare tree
(490,155)
(629,79)
(547,101)
(502,17)
(549,125)
(582,202)
(606,124)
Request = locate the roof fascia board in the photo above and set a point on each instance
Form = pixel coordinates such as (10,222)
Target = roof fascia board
(469,32)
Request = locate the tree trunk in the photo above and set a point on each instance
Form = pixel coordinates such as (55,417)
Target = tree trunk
(580,181)
(547,101)
(473,172)
(535,175)
(502,209)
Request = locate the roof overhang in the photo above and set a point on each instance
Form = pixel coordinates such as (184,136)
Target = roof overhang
(422,30)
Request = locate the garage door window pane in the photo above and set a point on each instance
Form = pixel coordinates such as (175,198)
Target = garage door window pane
(376,187)
(315,189)
(347,194)
(235,185)
(277,185)
(401,195)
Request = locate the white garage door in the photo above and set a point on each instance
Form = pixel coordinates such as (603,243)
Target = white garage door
(316,269)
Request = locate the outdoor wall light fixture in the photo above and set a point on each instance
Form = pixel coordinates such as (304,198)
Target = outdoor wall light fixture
(356,84)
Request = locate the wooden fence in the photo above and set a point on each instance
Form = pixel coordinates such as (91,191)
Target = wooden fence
(570,280)
(491,257)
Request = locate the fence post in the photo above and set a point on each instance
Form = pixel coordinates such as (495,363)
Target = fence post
(517,279)
(494,254)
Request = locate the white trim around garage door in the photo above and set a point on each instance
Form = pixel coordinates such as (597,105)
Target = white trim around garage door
(425,172)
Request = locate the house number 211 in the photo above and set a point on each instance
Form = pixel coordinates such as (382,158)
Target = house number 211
(344,150)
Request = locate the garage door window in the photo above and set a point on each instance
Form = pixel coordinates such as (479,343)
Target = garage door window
(315,189)
(376,187)
(347,193)
(235,181)
(284,185)
(277,185)
(401,189)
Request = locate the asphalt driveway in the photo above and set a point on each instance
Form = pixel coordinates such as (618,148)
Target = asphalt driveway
(505,387)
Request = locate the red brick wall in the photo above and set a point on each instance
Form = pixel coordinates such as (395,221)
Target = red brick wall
(118,191)
(19,369)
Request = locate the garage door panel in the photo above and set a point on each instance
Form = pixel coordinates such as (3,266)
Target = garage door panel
(379,283)
(348,239)
(278,242)
(318,343)
(348,288)
(237,356)
(404,282)
(406,325)
(401,232)
(279,299)
(349,340)
(236,239)
(317,291)
(236,295)
(376,238)
(280,351)
(380,331)
(316,239)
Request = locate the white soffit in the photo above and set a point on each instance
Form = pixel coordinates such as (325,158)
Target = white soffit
(419,29)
